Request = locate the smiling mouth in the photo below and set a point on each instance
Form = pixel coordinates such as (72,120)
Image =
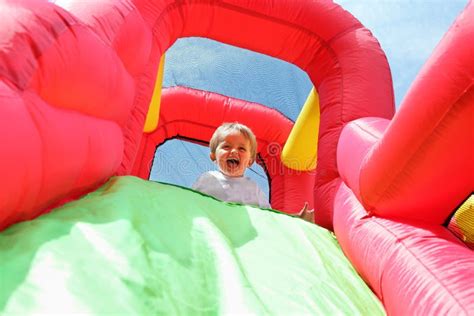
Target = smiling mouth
(233,162)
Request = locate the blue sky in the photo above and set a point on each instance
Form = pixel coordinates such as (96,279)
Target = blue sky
(408,31)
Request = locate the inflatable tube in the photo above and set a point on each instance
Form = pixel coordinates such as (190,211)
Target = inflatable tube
(417,268)
(426,142)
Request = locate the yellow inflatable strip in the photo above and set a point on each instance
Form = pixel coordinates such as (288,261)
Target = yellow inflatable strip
(301,148)
(463,224)
(153,114)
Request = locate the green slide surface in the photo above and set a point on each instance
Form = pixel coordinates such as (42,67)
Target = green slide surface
(136,247)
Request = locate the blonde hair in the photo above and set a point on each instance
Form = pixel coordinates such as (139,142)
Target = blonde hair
(227,128)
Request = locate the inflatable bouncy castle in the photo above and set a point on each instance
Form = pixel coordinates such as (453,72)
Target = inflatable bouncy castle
(82,113)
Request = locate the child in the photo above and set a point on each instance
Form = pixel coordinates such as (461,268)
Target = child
(234,148)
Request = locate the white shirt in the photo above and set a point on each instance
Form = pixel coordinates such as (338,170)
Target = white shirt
(231,189)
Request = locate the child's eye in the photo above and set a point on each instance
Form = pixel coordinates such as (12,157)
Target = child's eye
(243,149)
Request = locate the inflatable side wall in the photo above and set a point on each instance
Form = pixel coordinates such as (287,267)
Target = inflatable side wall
(402,180)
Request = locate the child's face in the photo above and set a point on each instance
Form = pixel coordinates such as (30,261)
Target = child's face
(233,154)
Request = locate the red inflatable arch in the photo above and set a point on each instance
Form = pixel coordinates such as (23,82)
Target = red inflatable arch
(184,113)
(338,54)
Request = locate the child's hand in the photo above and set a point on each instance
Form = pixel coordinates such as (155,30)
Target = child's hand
(307,215)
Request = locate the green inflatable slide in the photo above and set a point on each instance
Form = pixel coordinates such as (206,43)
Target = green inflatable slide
(136,247)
